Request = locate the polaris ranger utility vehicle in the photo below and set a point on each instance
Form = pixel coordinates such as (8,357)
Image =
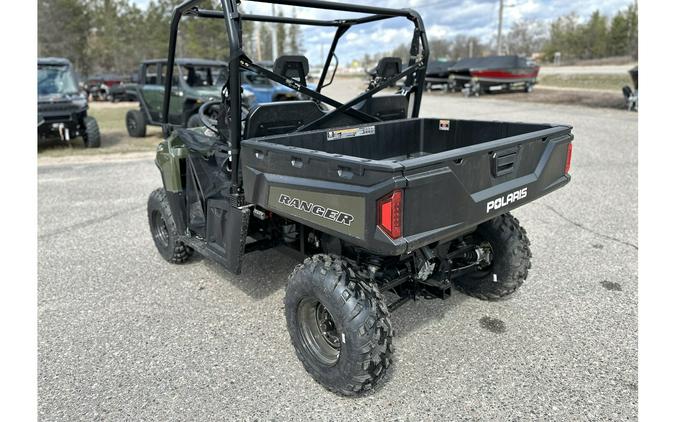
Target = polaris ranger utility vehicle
(386,206)
(195,82)
(62,108)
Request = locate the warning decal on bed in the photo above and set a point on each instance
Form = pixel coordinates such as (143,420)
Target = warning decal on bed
(335,135)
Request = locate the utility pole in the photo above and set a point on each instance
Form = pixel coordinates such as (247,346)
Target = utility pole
(499,31)
(275,50)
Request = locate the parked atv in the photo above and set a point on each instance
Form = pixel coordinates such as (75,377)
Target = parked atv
(382,206)
(62,108)
(196,82)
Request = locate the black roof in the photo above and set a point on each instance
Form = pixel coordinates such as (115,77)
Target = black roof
(489,62)
(53,61)
(188,61)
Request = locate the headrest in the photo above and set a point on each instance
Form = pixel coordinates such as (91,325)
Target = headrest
(388,67)
(292,67)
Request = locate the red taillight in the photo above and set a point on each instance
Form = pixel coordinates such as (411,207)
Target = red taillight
(390,214)
(568,163)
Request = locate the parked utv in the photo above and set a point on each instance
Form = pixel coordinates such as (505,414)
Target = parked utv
(62,108)
(196,82)
(384,206)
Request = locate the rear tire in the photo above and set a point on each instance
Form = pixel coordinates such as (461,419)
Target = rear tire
(136,123)
(92,135)
(163,229)
(339,326)
(510,263)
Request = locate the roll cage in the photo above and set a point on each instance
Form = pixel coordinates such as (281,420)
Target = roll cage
(414,72)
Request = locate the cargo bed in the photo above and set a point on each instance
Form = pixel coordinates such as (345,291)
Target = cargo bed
(448,171)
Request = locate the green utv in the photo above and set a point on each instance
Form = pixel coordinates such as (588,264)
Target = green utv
(382,205)
(195,82)
(62,106)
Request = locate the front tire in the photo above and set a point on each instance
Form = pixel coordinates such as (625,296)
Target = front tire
(92,135)
(510,263)
(136,124)
(163,229)
(339,326)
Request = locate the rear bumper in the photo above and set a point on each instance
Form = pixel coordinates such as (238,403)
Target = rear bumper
(445,195)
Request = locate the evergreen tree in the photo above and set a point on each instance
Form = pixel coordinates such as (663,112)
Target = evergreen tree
(594,37)
(265,41)
(63,31)
(294,39)
(281,36)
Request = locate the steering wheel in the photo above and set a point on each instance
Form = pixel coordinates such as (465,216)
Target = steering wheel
(212,124)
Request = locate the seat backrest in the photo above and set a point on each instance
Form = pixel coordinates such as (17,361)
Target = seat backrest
(385,107)
(292,67)
(280,117)
(388,67)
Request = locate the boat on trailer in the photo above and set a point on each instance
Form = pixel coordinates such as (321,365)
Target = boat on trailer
(479,75)
(437,75)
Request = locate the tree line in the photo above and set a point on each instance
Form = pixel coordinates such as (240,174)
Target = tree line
(597,37)
(114,36)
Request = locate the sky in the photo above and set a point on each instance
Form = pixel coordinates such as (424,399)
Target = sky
(442,18)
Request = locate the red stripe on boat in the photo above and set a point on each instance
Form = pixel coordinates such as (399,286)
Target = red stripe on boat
(500,74)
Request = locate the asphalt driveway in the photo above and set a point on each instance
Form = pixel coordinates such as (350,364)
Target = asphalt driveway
(123,335)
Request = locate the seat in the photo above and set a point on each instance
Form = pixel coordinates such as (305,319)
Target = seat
(280,117)
(385,107)
(388,67)
(292,67)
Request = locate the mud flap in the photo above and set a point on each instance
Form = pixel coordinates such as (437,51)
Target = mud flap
(227,229)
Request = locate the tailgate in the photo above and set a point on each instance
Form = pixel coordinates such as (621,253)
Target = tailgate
(451,192)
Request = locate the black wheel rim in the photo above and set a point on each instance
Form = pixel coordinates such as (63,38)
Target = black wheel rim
(159,230)
(319,333)
(131,123)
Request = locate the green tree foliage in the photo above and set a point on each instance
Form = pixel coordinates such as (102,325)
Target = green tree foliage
(114,36)
(294,39)
(593,39)
(203,38)
(622,38)
(265,34)
(63,30)
(598,37)
(281,36)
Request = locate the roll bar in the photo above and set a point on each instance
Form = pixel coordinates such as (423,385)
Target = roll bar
(414,72)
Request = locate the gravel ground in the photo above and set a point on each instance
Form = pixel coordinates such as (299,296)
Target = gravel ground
(123,335)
